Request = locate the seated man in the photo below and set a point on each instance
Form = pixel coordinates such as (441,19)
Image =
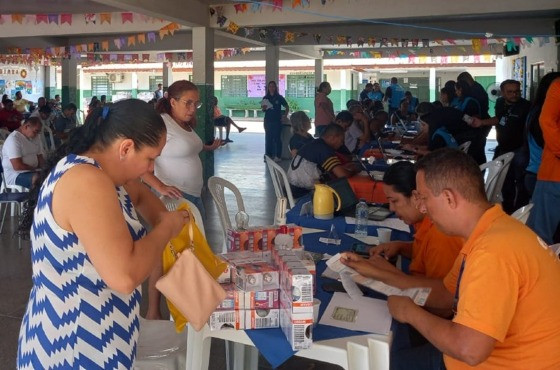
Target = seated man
(22,154)
(503,288)
(317,162)
(10,118)
(223,121)
(66,121)
(20,103)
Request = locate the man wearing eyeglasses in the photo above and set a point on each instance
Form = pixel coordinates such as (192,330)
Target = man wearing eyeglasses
(511,114)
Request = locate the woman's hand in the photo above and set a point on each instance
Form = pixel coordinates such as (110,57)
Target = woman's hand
(215,145)
(388,250)
(175,220)
(170,191)
(361,265)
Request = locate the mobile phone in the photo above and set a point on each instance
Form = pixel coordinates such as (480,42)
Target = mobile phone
(361,249)
(334,286)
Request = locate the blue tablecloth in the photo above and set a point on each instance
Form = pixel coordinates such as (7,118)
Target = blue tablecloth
(272,343)
(293,216)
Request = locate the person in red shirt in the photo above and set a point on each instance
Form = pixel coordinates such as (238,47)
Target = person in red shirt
(10,118)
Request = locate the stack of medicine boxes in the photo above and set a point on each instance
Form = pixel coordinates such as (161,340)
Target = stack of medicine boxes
(266,286)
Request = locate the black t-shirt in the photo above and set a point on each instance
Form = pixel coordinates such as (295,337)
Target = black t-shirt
(479,93)
(452,119)
(511,124)
(297,141)
(274,114)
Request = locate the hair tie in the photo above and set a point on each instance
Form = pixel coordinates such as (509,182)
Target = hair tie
(105,112)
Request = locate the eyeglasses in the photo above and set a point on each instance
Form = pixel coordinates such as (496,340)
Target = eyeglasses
(190,103)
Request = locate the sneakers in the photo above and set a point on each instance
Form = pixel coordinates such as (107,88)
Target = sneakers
(241,129)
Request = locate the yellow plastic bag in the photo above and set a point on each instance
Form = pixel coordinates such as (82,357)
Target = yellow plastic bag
(213,264)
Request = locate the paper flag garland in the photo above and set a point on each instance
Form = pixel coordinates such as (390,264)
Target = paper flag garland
(233,27)
(289,37)
(126,17)
(105,17)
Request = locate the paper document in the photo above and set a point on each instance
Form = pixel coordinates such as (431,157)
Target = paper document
(393,223)
(266,103)
(362,313)
(418,295)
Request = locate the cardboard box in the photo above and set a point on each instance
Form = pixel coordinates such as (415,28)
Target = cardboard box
(232,319)
(237,240)
(262,318)
(225,277)
(262,300)
(248,277)
(298,283)
(234,300)
(298,328)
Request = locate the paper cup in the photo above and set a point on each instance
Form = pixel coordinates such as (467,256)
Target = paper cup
(316,305)
(384,235)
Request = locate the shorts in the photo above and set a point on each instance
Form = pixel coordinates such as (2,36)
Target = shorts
(221,121)
(25,179)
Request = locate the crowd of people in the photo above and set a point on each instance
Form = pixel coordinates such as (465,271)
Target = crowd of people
(493,280)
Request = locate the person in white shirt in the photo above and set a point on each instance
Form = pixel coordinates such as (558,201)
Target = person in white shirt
(178,169)
(22,154)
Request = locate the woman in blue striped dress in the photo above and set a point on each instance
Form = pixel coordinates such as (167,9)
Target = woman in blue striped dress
(89,251)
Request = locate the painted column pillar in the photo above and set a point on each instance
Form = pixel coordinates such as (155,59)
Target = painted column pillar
(134,85)
(167,75)
(343,91)
(318,72)
(432,83)
(50,82)
(272,57)
(203,78)
(70,91)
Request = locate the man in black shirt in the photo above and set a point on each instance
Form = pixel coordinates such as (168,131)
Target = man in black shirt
(511,114)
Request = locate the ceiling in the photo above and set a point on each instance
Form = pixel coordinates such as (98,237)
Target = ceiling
(443,23)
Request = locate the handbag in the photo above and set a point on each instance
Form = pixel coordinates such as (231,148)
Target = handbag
(191,291)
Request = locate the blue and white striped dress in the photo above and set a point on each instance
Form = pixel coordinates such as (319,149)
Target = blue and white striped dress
(73,319)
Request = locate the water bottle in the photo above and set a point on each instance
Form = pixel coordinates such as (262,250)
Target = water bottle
(361,218)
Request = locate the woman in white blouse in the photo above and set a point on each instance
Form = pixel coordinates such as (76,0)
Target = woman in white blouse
(178,170)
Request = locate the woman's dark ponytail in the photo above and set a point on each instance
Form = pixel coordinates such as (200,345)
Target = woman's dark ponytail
(131,118)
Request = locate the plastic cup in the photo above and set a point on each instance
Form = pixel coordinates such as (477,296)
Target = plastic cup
(384,235)
(316,305)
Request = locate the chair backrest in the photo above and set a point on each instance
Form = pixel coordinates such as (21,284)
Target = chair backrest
(555,248)
(522,214)
(217,186)
(358,356)
(280,181)
(497,171)
(194,209)
(465,146)
(379,353)
(47,133)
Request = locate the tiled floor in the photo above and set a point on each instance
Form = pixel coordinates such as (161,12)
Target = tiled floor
(240,162)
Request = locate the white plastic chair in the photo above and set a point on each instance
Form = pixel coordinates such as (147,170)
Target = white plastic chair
(7,198)
(496,175)
(194,209)
(160,346)
(522,214)
(555,248)
(371,352)
(464,147)
(280,181)
(217,186)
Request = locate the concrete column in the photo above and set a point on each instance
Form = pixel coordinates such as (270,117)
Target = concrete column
(318,72)
(134,84)
(432,82)
(80,91)
(70,92)
(50,82)
(167,75)
(203,78)
(343,91)
(272,69)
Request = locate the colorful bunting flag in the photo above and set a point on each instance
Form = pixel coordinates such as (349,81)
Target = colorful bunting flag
(105,45)
(476,45)
(240,8)
(277,5)
(53,18)
(289,37)
(126,17)
(66,18)
(131,41)
(233,27)
(105,17)
(141,38)
(90,17)
(41,18)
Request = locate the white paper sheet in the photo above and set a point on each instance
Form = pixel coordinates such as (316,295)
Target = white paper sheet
(363,313)
(393,223)
(266,103)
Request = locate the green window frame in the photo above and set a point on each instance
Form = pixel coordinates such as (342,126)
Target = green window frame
(234,86)
(300,86)
(100,85)
(154,81)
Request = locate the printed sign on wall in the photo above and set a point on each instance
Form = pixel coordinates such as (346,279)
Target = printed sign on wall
(256,86)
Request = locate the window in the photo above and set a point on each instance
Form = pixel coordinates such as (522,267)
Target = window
(100,85)
(234,86)
(154,81)
(300,86)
